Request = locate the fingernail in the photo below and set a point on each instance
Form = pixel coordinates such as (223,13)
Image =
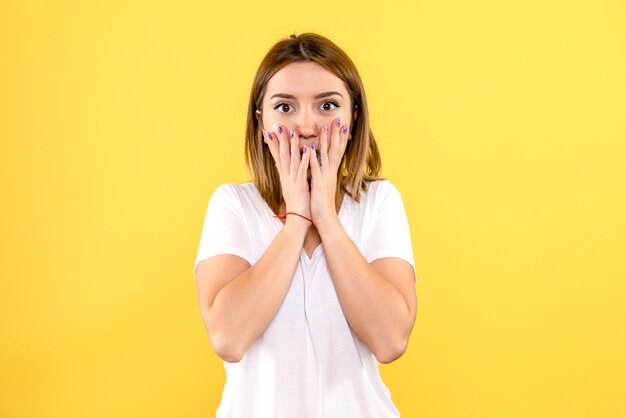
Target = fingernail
(280,129)
(325,128)
(304,148)
(312,145)
(345,129)
(269,135)
(338,122)
(291,133)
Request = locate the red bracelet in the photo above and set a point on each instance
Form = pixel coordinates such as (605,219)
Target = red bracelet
(293,213)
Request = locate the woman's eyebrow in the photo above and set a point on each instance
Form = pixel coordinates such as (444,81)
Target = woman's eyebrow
(317,96)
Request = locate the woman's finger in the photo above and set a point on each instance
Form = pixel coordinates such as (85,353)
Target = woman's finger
(304,164)
(272,144)
(315,167)
(323,147)
(343,140)
(295,152)
(283,146)
(334,143)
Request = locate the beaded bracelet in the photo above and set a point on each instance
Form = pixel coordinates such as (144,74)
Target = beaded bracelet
(292,213)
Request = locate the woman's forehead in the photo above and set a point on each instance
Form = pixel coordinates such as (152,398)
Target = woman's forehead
(304,80)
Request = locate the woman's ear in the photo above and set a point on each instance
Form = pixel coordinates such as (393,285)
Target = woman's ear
(257,113)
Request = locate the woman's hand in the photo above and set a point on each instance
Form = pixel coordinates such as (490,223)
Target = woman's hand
(333,141)
(292,170)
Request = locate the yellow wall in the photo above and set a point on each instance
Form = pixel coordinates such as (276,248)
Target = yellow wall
(502,123)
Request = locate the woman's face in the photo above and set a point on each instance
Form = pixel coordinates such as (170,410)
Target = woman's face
(304,96)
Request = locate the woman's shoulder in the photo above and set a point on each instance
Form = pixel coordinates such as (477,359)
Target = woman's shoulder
(379,187)
(245,188)
(235,191)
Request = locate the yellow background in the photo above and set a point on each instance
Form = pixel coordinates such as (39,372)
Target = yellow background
(503,124)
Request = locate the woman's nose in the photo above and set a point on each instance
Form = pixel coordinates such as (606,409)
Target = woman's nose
(307,125)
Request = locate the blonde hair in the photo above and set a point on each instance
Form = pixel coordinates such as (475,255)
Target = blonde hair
(361,161)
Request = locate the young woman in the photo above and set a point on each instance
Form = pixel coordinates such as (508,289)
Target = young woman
(305,275)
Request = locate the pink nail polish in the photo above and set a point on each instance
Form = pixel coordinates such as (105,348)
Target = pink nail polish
(338,122)
(345,129)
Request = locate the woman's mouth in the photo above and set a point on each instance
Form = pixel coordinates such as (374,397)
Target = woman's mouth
(319,156)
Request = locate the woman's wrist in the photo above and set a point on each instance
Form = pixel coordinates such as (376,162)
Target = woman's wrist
(328,224)
(297,223)
(307,217)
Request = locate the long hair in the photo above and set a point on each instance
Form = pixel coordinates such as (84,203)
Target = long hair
(361,160)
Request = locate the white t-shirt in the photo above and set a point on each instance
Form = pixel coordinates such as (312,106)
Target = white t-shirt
(308,362)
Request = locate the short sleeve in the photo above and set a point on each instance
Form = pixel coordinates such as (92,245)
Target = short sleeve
(224,230)
(390,234)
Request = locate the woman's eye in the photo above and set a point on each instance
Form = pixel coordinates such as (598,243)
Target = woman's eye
(325,104)
(282,106)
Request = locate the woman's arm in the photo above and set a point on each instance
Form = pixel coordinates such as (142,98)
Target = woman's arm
(378,299)
(237,301)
